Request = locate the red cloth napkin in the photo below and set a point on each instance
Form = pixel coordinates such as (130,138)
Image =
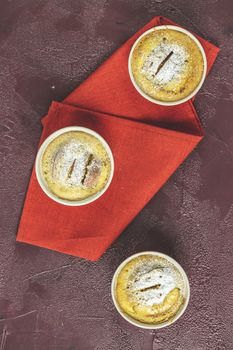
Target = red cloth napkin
(148,142)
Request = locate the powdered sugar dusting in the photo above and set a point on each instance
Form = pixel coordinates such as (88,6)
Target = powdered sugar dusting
(173,67)
(153,286)
(71,163)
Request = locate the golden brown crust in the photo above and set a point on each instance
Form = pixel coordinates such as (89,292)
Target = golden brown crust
(154,313)
(75,165)
(189,77)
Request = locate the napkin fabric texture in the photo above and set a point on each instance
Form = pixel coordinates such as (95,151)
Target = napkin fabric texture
(148,142)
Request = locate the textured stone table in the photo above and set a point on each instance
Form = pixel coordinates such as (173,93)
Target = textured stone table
(53,301)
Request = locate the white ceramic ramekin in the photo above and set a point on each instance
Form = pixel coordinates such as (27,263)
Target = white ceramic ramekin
(151,99)
(38,166)
(138,323)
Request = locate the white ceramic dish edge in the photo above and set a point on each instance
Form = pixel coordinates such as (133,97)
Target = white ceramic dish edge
(138,323)
(38,167)
(164,103)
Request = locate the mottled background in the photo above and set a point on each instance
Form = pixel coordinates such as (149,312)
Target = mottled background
(53,301)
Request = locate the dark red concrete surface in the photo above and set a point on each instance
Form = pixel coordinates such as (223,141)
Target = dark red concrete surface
(53,301)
